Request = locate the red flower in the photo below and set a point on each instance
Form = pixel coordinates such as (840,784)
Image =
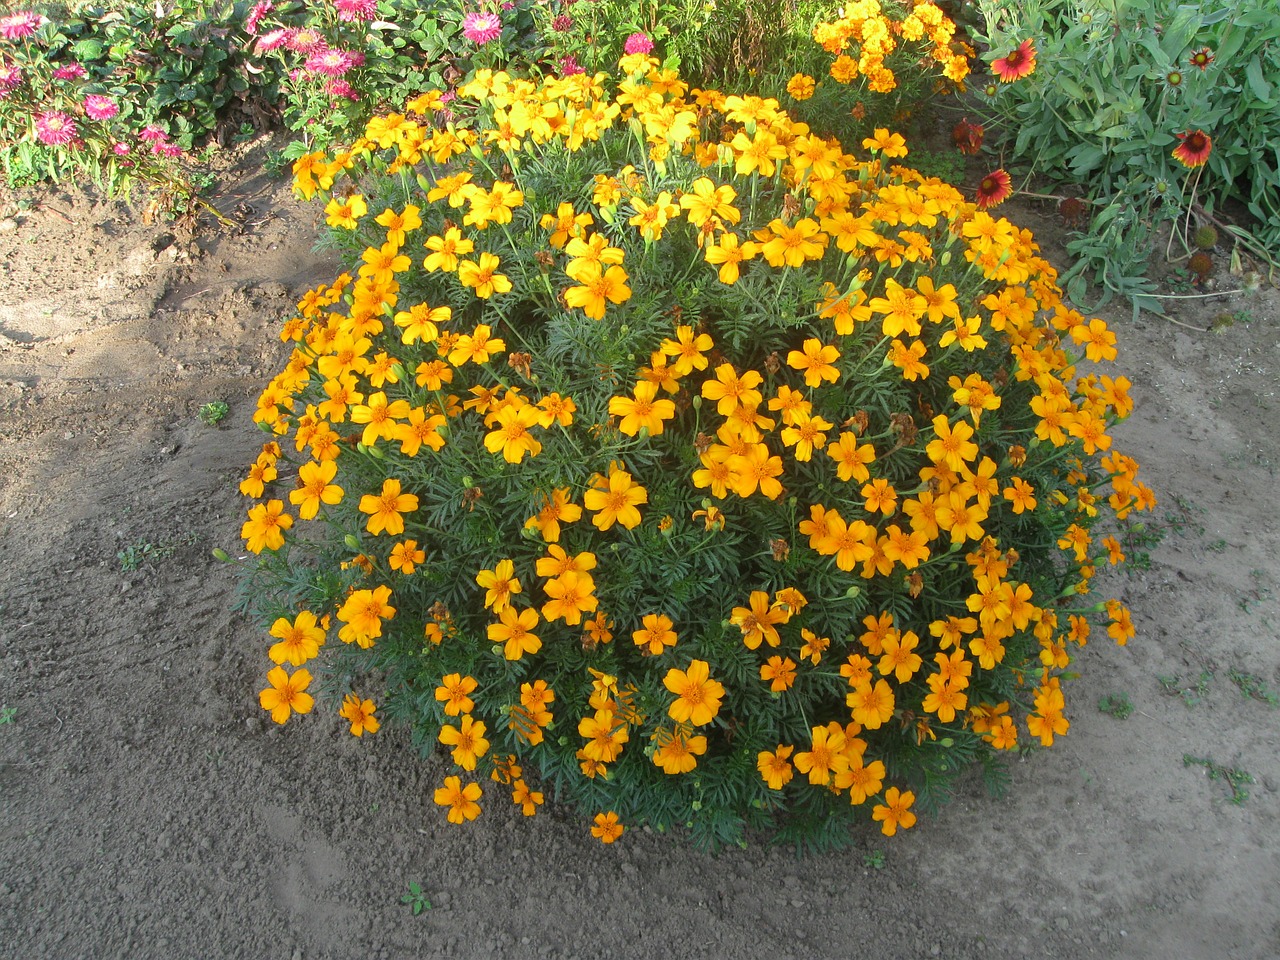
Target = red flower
(995,188)
(1194,148)
(1202,58)
(1017,64)
(967,136)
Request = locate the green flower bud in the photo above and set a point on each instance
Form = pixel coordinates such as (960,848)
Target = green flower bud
(352,542)
(220,554)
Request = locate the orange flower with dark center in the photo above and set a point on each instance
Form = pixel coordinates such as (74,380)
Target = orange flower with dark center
(968,136)
(995,188)
(1193,148)
(1021,62)
(1202,58)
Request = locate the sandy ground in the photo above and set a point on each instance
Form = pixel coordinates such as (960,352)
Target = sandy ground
(147,810)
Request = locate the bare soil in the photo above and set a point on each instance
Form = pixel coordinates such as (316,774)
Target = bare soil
(149,808)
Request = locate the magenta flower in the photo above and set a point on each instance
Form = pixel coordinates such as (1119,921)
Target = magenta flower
(72,71)
(569,66)
(153,134)
(259,11)
(305,40)
(562,23)
(98,107)
(480,28)
(20,25)
(331,63)
(354,10)
(638,43)
(273,40)
(10,77)
(166,149)
(55,128)
(121,149)
(340,88)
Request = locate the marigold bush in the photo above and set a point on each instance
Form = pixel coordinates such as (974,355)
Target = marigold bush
(662,455)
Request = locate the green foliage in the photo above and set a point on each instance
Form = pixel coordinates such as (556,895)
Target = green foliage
(213,413)
(1117,705)
(1190,693)
(415,899)
(8,715)
(1115,87)
(1233,778)
(1253,687)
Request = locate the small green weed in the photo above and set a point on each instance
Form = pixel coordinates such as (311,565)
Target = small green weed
(8,715)
(1139,539)
(1117,704)
(874,860)
(134,555)
(416,899)
(1235,779)
(1191,694)
(212,413)
(1253,687)
(1257,594)
(1218,546)
(1185,518)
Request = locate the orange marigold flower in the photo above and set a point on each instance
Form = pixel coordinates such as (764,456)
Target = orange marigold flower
(894,812)
(362,614)
(515,632)
(758,622)
(360,714)
(454,692)
(385,509)
(616,500)
(607,828)
(264,530)
(468,741)
(780,673)
(656,634)
(460,800)
(300,640)
(286,694)
(774,767)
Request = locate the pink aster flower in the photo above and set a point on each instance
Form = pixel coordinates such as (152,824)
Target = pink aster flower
(166,149)
(305,40)
(331,63)
(98,107)
(121,149)
(273,40)
(55,128)
(71,71)
(480,28)
(340,88)
(10,76)
(354,10)
(153,134)
(20,25)
(562,24)
(259,11)
(569,66)
(638,43)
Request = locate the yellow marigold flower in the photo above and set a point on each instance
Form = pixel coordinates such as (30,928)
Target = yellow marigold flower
(556,409)
(483,277)
(758,622)
(386,509)
(872,705)
(825,756)
(399,224)
(655,635)
(687,350)
(951,445)
(418,428)
(362,614)
(571,594)
(383,263)
(300,639)
(756,469)
(405,556)
(774,767)
(591,251)
(642,412)
(652,219)
(460,800)
(379,415)
(345,214)
(557,508)
(817,361)
(894,812)
(791,245)
(565,224)
(697,695)
(527,800)
(360,715)
(851,458)
(900,657)
(731,391)
(286,694)
(445,250)
(805,435)
(511,434)
(757,153)
(264,530)
(605,735)
(477,347)
(902,307)
(728,254)
(492,206)
(500,584)
(514,632)
(890,144)
(705,201)
(468,741)
(813,647)
(779,673)
(801,86)
(677,752)
(557,563)
(595,288)
(607,828)
(454,692)
(615,500)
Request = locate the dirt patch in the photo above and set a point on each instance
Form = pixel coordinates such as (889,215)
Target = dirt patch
(147,810)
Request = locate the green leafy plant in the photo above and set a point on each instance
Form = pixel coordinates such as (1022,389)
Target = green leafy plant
(1233,778)
(415,899)
(213,412)
(1120,91)
(1253,687)
(135,554)
(1117,705)
(8,715)
(875,860)
(1191,694)
(726,479)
